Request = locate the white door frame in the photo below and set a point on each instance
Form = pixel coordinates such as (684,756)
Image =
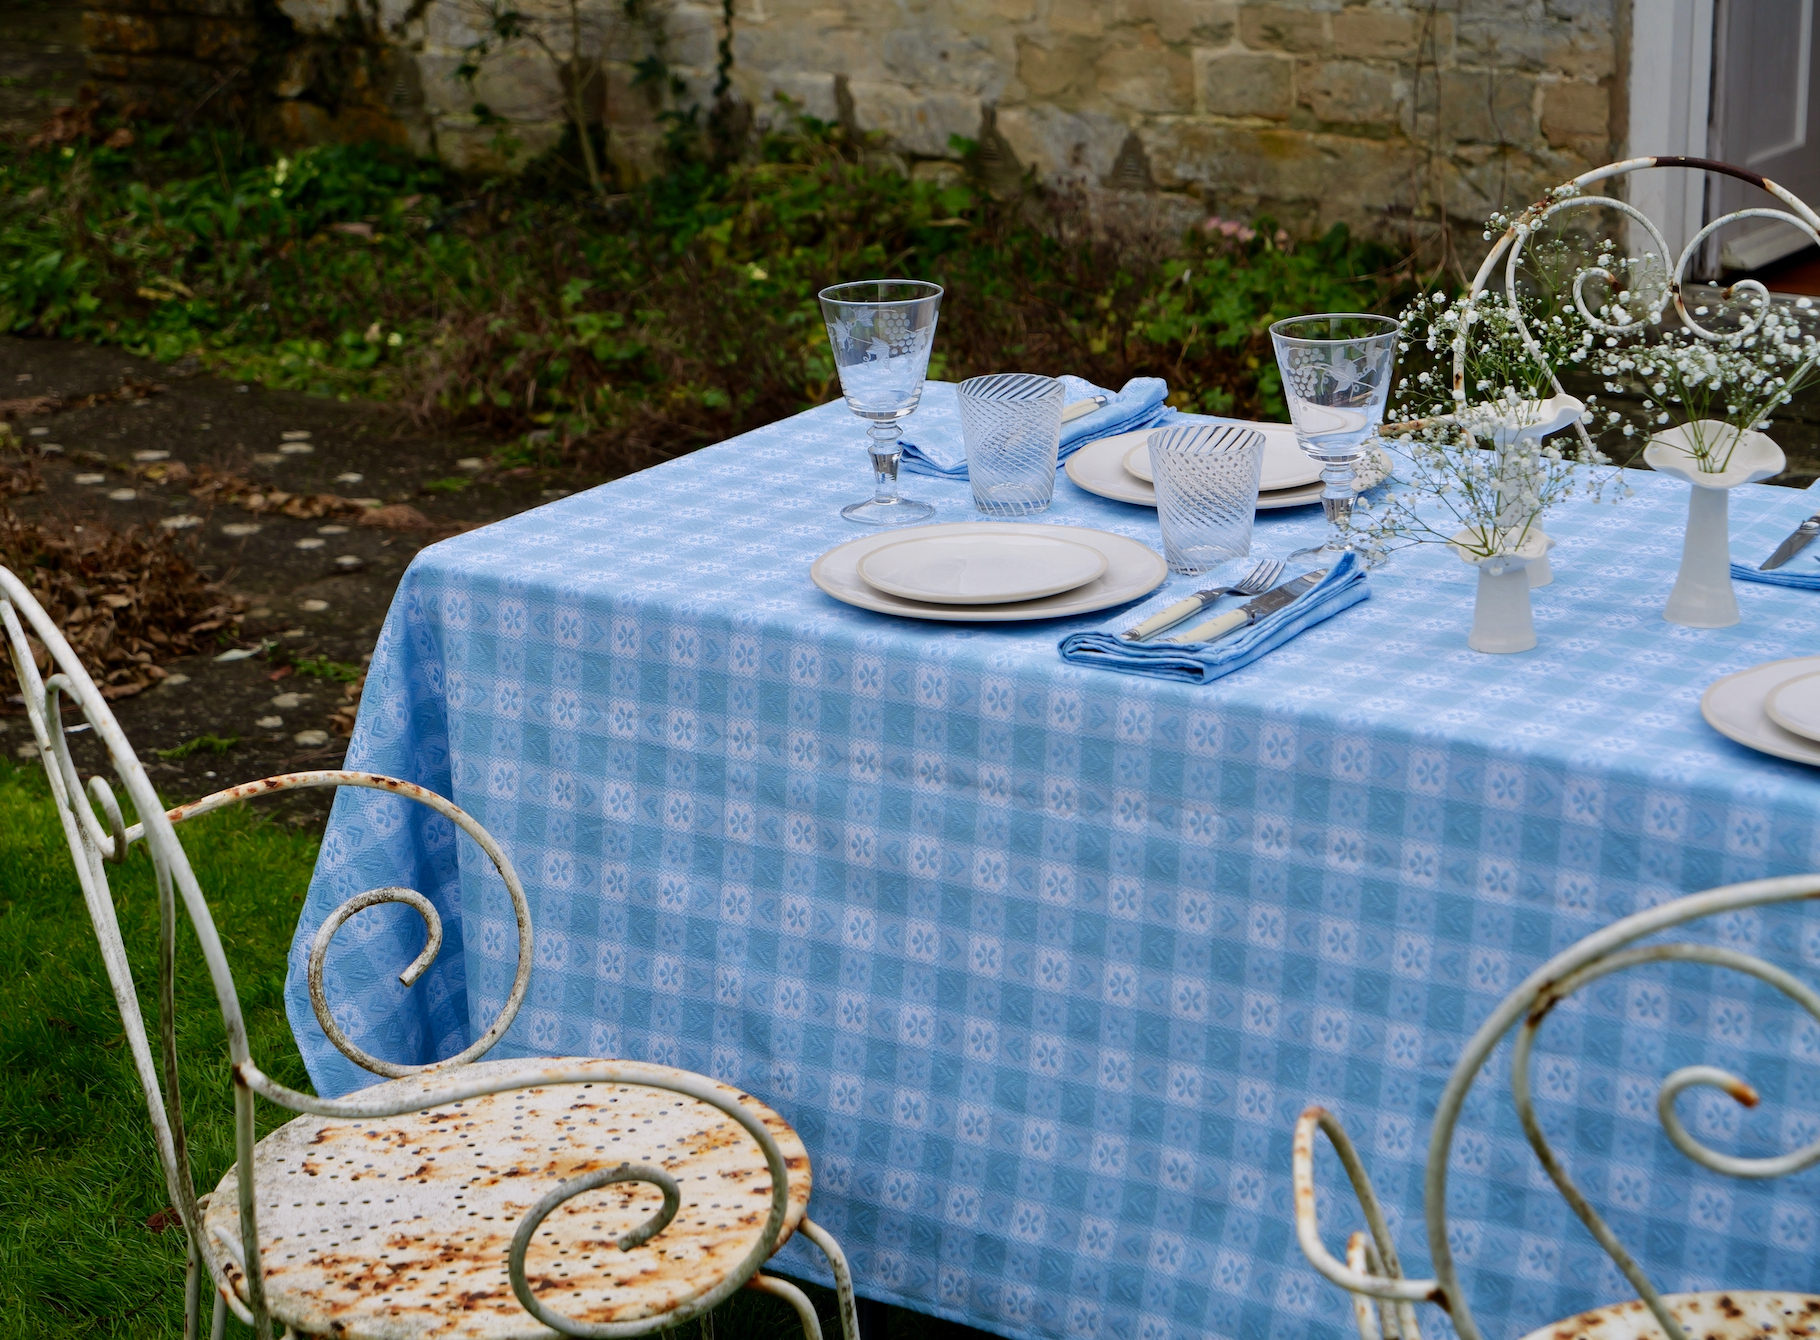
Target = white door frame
(1671,76)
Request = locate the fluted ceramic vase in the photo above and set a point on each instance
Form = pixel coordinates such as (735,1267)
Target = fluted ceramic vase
(1702,596)
(1502,620)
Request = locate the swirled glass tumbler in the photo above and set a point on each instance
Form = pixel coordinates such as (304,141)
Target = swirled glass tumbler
(1206,492)
(1012,425)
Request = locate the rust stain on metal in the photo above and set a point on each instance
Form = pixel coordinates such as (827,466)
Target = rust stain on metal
(400,1226)
(1735,1314)
(1743,1092)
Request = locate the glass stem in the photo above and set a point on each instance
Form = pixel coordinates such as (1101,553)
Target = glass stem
(1336,502)
(886,453)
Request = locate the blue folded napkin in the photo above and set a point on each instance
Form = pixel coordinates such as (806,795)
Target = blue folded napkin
(1789,574)
(934,445)
(1203,662)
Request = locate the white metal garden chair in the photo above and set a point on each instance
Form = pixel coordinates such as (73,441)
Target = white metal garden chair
(470,1198)
(1383,1299)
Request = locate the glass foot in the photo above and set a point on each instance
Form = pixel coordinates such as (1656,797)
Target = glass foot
(896,512)
(1318,556)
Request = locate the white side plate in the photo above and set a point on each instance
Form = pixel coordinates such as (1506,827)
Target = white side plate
(981,569)
(1286,465)
(1099,468)
(1132,570)
(1735,707)
(1794,705)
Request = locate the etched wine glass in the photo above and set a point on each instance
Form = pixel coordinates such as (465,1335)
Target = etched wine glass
(881,331)
(1336,377)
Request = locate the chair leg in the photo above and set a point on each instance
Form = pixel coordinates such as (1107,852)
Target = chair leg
(218,1326)
(795,1297)
(843,1277)
(192,1298)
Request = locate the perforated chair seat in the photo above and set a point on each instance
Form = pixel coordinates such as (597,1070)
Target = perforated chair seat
(1727,1314)
(400,1226)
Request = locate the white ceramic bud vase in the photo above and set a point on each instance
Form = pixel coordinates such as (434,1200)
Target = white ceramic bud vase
(1501,617)
(1533,419)
(1703,597)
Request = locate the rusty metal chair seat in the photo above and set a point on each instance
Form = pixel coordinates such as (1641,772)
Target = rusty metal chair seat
(607,1199)
(1733,1314)
(402,1226)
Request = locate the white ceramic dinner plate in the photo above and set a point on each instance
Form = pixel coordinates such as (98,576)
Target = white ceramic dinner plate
(1736,707)
(1286,465)
(1099,468)
(1794,705)
(984,569)
(1133,569)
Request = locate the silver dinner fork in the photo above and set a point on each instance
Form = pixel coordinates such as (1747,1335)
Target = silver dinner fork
(1261,578)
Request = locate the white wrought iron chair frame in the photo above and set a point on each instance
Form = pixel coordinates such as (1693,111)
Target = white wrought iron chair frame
(96,841)
(1372,1270)
(1508,250)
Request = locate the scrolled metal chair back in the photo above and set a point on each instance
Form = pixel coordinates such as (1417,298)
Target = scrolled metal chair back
(1372,1270)
(1508,252)
(97,834)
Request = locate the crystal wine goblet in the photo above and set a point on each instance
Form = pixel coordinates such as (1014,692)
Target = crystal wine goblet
(1336,377)
(881,330)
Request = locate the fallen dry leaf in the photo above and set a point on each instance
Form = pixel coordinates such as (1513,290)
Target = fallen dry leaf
(397,516)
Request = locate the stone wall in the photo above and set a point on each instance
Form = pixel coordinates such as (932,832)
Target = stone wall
(1389,115)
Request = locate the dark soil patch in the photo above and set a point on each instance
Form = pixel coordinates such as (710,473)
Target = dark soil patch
(320,601)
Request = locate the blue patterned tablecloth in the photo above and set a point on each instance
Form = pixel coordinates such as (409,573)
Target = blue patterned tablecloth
(1042,961)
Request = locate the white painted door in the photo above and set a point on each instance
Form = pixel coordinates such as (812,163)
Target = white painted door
(1766,117)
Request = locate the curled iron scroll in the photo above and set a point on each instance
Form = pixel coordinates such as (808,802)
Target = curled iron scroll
(1681,1080)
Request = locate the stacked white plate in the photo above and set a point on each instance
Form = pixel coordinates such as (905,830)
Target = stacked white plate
(989,571)
(1119,468)
(1774,708)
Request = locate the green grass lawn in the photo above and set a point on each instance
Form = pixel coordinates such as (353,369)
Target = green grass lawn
(79,1178)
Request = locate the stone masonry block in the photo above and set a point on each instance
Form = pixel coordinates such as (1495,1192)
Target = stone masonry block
(1210,22)
(1081,18)
(1583,50)
(1146,77)
(1282,28)
(1571,109)
(1349,92)
(918,123)
(1577,116)
(776,48)
(1487,107)
(1311,180)
(1377,34)
(693,34)
(1076,144)
(943,58)
(1058,69)
(809,94)
(1244,84)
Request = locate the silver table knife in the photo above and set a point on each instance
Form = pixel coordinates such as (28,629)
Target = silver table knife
(1797,540)
(1080,407)
(1252,610)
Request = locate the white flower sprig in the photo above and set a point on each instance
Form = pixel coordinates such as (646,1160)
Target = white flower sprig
(1473,477)
(1736,380)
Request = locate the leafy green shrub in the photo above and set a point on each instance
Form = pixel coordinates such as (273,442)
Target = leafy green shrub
(675,316)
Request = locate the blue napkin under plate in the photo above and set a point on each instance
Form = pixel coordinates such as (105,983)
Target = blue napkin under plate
(1203,662)
(934,444)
